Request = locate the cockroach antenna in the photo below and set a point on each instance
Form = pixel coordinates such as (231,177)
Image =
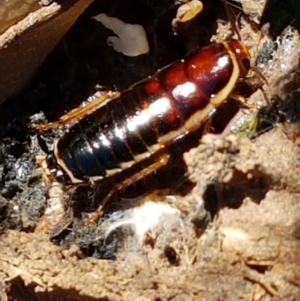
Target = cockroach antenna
(233,23)
(231,18)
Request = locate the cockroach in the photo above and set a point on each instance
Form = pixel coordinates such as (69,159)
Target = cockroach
(117,132)
(143,121)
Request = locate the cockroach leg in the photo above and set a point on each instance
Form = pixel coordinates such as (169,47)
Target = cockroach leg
(243,101)
(259,75)
(162,160)
(78,113)
(207,127)
(239,98)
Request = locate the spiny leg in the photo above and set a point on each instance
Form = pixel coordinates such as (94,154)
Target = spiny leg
(243,101)
(78,113)
(161,161)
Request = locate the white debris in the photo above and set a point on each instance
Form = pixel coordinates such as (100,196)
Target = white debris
(144,217)
(131,39)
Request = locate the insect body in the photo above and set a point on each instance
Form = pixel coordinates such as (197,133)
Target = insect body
(148,117)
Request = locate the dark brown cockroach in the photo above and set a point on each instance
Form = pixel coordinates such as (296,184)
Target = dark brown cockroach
(142,122)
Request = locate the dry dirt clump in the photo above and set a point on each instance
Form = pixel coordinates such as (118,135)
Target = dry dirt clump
(251,251)
(262,232)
